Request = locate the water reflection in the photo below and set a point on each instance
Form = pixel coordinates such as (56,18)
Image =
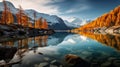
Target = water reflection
(26,45)
(52,50)
(106,39)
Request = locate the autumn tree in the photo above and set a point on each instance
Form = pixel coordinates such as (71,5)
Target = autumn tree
(30,25)
(45,24)
(106,20)
(41,23)
(7,17)
(10,18)
(38,23)
(22,18)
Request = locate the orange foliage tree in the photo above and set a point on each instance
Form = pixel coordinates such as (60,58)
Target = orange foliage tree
(30,25)
(22,18)
(106,20)
(45,24)
(7,17)
(38,23)
(41,23)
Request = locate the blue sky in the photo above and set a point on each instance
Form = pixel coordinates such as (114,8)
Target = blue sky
(68,9)
(85,9)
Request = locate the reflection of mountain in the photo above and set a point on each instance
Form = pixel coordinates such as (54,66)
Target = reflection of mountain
(56,38)
(109,40)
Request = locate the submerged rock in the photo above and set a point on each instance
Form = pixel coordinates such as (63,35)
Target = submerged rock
(46,58)
(117,63)
(76,61)
(7,53)
(106,64)
(43,64)
(53,65)
(53,61)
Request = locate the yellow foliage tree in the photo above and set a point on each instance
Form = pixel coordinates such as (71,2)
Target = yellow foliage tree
(22,18)
(106,20)
(7,17)
(38,23)
(45,24)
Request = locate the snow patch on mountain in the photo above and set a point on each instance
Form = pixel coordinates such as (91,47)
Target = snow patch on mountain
(49,18)
(54,21)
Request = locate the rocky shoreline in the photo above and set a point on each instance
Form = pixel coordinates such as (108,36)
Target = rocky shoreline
(17,30)
(104,30)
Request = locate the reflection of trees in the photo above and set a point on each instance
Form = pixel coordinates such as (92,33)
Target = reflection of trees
(45,40)
(8,43)
(41,40)
(23,44)
(109,40)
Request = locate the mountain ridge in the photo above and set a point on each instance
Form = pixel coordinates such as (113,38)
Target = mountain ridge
(107,20)
(76,22)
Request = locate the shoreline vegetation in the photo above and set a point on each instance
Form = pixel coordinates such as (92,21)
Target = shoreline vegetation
(108,23)
(17,31)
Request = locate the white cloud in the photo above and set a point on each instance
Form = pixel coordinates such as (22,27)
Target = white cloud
(58,0)
(74,9)
(79,8)
(38,5)
(71,10)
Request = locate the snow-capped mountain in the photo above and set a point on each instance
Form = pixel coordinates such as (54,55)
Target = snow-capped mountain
(76,22)
(54,21)
(69,24)
(49,18)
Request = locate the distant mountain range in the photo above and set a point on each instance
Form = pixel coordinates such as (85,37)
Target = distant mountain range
(105,21)
(54,21)
(76,22)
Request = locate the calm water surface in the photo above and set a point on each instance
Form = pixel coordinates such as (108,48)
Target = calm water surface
(50,51)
